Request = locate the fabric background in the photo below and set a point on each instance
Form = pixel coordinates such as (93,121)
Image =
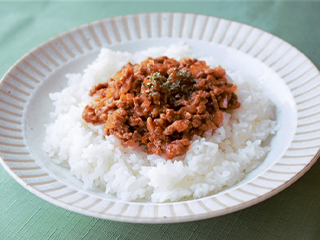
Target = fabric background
(292,214)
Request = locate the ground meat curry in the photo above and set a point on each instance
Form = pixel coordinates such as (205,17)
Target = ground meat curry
(162,103)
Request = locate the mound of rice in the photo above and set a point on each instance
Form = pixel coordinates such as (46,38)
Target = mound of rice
(213,163)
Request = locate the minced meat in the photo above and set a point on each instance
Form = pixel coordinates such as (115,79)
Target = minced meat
(162,103)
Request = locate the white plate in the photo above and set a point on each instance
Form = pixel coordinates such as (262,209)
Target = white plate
(291,80)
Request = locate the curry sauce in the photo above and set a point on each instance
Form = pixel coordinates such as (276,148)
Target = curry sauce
(162,103)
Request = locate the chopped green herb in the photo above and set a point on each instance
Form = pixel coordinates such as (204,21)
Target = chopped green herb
(184,74)
(183,82)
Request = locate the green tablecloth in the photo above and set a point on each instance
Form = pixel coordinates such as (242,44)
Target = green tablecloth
(292,214)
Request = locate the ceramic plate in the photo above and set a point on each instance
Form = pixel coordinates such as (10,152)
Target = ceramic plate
(291,80)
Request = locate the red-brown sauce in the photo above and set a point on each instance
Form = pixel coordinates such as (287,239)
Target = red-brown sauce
(162,103)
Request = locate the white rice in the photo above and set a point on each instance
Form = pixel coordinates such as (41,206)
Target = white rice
(213,162)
